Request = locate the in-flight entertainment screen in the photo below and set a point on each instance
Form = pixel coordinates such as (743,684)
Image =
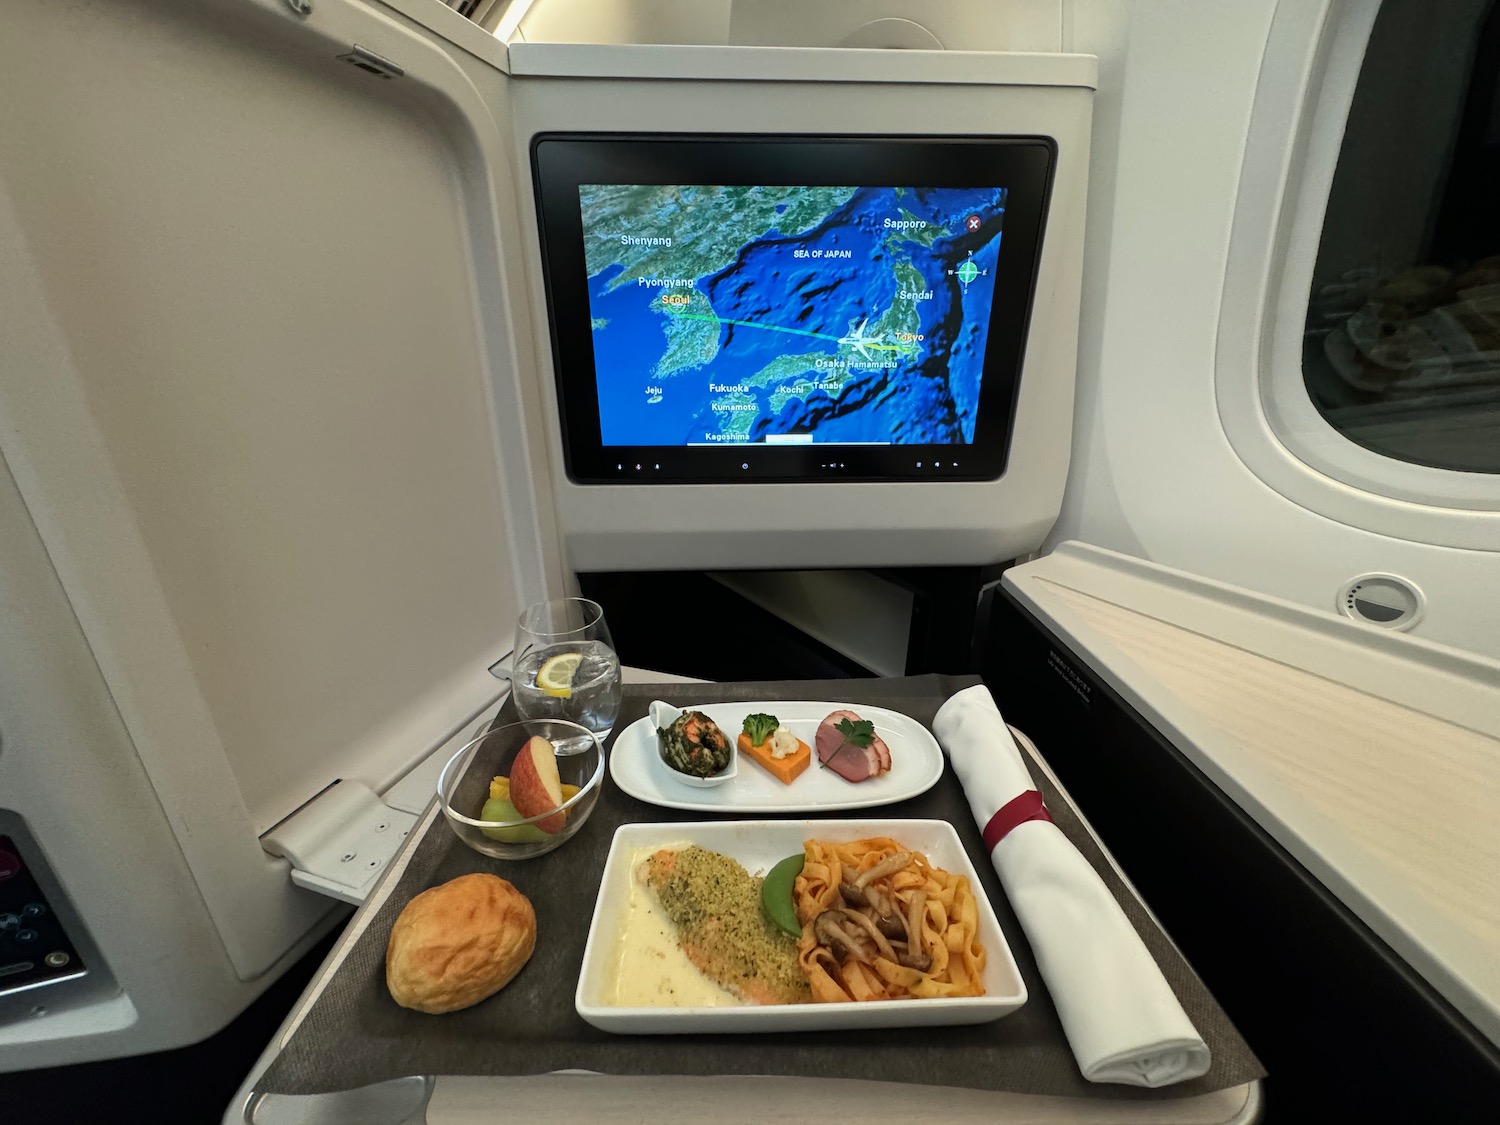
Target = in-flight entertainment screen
(818,310)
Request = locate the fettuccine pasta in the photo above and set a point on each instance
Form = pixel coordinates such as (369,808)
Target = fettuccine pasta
(879,922)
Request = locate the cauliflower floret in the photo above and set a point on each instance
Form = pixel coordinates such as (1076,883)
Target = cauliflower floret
(783,742)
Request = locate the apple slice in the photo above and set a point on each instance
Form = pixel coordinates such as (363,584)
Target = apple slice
(534,785)
(500,808)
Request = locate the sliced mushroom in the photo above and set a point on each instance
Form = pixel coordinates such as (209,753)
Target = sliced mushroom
(914,960)
(885,867)
(914,911)
(893,928)
(853,895)
(863,921)
(828,928)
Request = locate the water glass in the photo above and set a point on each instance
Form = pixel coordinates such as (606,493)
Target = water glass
(565,665)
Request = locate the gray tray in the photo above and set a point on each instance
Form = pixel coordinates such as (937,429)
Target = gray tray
(355,1035)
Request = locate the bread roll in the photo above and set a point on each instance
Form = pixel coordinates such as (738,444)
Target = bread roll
(458,943)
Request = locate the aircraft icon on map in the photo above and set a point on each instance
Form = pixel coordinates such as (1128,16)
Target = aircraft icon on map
(857,341)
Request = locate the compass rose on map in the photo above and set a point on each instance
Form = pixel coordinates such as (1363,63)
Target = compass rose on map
(967,272)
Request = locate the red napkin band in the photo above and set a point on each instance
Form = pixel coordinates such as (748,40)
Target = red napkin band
(1028,806)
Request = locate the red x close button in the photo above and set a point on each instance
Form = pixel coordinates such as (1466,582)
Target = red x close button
(973,222)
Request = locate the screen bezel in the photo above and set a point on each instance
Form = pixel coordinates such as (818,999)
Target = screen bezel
(562,161)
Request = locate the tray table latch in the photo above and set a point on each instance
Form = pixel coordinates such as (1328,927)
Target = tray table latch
(339,842)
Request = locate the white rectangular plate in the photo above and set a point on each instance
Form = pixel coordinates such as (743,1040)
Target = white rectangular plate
(757,845)
(916,764)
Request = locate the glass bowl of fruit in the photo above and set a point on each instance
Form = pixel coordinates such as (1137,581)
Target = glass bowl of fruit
(521,790)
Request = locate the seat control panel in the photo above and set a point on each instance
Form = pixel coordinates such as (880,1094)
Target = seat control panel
(34,947)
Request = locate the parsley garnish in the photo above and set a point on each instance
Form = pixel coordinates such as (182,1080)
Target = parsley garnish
(861,732)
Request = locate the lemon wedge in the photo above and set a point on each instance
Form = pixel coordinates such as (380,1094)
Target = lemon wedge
(555,677)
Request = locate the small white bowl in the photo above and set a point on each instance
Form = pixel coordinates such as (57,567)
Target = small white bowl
(664,715)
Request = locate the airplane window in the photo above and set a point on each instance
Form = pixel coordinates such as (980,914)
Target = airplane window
(1402,348)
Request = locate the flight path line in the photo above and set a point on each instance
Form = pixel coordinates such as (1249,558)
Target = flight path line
(779,328)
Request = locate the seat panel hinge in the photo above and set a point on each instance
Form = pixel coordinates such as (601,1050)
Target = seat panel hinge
(371,63)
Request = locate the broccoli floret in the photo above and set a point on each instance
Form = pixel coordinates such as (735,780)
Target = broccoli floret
(760,727)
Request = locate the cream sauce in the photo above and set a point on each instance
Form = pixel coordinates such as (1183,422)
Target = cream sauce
(649,968)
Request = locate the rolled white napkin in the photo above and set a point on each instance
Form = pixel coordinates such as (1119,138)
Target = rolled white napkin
(1120,1016)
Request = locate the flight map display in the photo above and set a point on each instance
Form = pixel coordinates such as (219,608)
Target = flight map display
(789,315)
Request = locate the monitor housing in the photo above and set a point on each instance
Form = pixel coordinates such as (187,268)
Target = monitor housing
(618,122)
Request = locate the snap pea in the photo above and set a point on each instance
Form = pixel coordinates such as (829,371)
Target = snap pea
(776,894)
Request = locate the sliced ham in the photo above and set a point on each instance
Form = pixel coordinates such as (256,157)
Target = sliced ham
(829,738)
(854,763)
(851,762)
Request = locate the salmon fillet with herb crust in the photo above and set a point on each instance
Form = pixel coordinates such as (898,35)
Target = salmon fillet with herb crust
(715,905)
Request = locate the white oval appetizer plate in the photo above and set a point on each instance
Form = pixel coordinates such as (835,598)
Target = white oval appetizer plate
(758,845)
(916,763)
